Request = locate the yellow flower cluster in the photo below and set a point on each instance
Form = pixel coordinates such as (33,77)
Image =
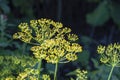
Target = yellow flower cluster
(101,49)
(81,74)
(30,74)
(57,50)
(110,54)
(72,37)
(45,77)
(52,42)
(14,63)
(40,30)
(9,78)
(25,34)
(71,57)
(23,37)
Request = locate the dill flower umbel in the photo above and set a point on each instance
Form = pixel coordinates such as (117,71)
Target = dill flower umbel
(110,54)
(40,30)
(57,50)
(51,40)
(81,74)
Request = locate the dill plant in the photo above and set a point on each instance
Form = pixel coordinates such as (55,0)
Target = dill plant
(110,55)
(80,74)
(11,65)
(51,42)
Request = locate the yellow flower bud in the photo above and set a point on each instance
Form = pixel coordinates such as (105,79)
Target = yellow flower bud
(46,77)
(71,57)
(100,49)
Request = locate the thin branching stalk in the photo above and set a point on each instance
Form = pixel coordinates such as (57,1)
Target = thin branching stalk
(55,73)
(39,68)
(110,74)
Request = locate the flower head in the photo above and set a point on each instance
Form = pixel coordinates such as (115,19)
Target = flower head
(28,73)
(52,42)
(46,77)
(110,54)
(81,74)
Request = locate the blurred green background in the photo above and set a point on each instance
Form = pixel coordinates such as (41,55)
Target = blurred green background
(94,21)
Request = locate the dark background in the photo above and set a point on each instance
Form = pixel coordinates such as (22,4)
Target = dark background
(72,14)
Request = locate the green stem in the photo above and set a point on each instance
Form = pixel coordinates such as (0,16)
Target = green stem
(39,68)
(23,48)
(110,74)
(55,73)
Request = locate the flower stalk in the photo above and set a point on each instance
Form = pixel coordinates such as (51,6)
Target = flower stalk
(39,68)
(55,73)
(110,74)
